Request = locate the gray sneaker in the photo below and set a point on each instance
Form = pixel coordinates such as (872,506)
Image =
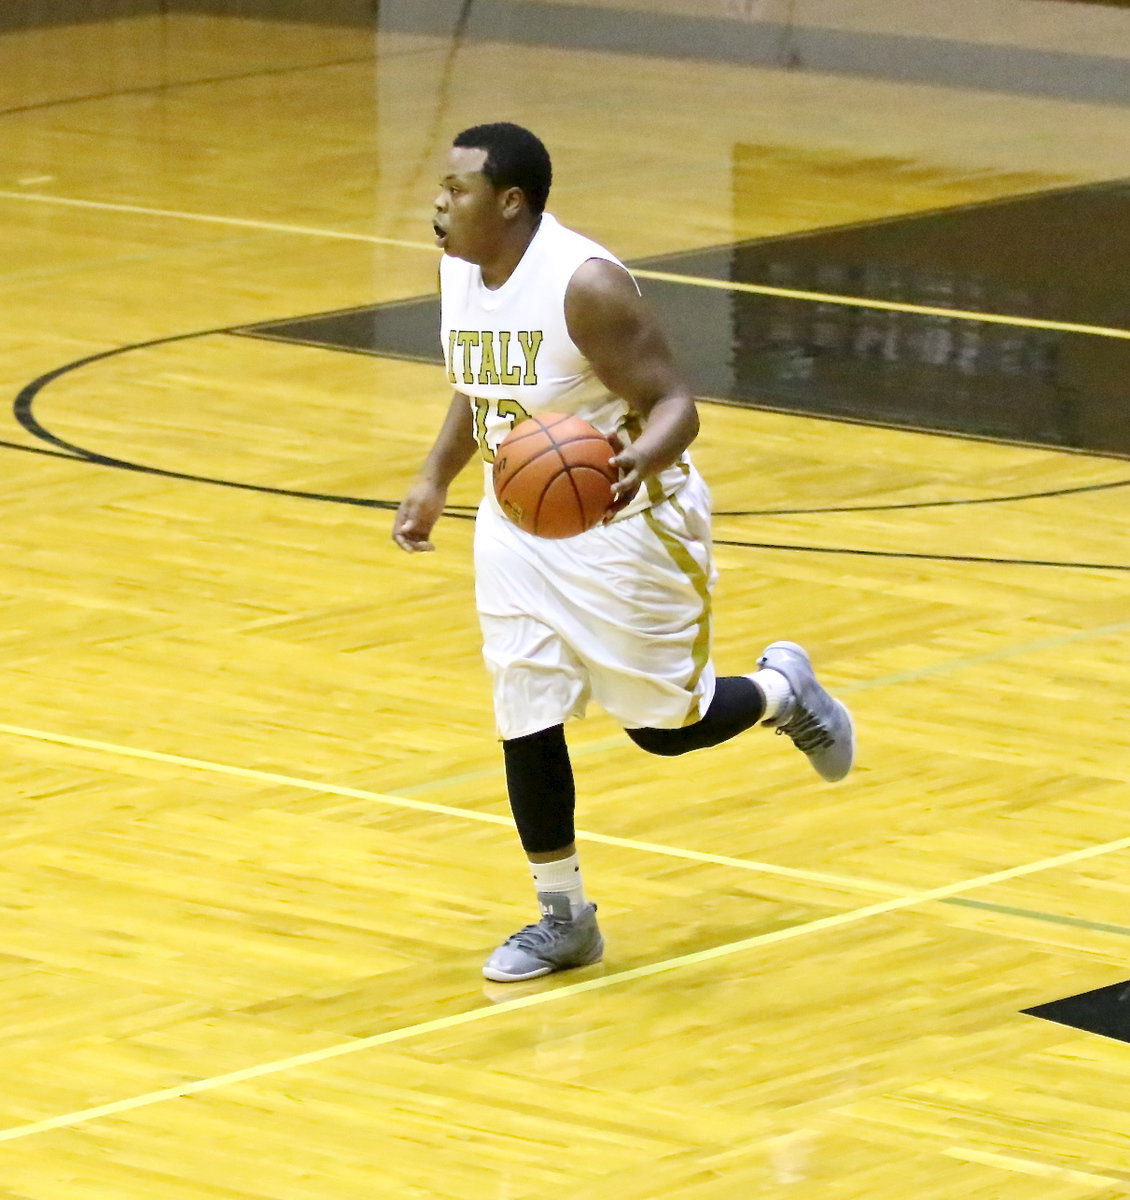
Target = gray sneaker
(553,944)
(818,723)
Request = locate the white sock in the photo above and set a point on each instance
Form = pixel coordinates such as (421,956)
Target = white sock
(776,690)
(559,881)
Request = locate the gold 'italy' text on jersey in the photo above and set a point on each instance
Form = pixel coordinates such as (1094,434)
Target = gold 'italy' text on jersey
(483,356)
(509,351)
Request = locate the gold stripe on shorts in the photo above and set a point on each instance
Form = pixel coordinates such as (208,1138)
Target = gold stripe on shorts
(686,562)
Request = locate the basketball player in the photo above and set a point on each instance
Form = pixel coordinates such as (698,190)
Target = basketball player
(537,318)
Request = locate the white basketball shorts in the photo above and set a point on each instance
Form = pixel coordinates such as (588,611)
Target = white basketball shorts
(619,615)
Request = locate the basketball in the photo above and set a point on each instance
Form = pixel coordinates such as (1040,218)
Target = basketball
(553,476)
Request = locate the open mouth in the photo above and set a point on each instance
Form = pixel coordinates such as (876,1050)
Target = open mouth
(440,232)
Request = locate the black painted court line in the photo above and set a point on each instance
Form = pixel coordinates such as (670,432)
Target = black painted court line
(24,413)
(1060,255)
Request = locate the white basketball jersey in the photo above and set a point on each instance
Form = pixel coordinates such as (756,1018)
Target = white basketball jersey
(509,350)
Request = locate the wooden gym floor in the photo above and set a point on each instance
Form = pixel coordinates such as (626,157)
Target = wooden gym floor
(254,842)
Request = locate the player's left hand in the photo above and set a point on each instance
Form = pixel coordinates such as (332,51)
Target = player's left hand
(633,467)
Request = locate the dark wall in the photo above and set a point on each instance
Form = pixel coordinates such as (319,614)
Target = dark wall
(33,14)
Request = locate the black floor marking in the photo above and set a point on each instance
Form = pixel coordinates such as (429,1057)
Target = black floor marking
(23,411)
(902,370)
(917,504)
(955,558)
(42,450)
(407,329)
(1105,1011)
(181,84)
(674,256)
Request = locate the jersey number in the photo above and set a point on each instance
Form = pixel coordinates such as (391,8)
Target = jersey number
(507,410)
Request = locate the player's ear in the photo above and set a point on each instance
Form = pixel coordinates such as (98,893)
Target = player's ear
(513,201)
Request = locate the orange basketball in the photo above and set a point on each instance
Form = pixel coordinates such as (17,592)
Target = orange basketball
(553,476)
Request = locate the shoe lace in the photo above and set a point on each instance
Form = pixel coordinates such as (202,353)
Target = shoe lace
(539,936)
(806,731)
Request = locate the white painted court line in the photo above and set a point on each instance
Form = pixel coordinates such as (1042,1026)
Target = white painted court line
(466,814)
(208,219)
(643,273)
(946,667)
(894,903)
(405,798)
(1030,1166)
(421,1029)
(555,994)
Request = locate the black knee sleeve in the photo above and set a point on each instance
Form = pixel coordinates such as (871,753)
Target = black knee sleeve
(539,781)
(737,704)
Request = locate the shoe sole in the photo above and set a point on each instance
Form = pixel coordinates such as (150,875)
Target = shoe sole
(499,977)
(851,759)
(803,653)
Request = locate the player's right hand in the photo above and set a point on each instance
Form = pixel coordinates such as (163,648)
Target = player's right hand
(415,518)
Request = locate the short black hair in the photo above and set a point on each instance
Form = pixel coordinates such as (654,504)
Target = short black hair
(515,158)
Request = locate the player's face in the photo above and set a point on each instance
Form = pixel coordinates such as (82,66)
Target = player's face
(468,211)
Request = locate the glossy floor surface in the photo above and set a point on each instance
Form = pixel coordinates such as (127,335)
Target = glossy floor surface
(255,843)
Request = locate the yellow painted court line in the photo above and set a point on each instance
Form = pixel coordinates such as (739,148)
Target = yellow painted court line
(925,310)
(555,994)
(724,285)
(467,814)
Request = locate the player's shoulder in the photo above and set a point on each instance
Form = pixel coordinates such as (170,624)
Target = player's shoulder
(601,281)
(587,268)
(601,290)
(578,244)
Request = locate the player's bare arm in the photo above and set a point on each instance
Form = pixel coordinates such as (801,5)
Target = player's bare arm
(620,335)
(423,504)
